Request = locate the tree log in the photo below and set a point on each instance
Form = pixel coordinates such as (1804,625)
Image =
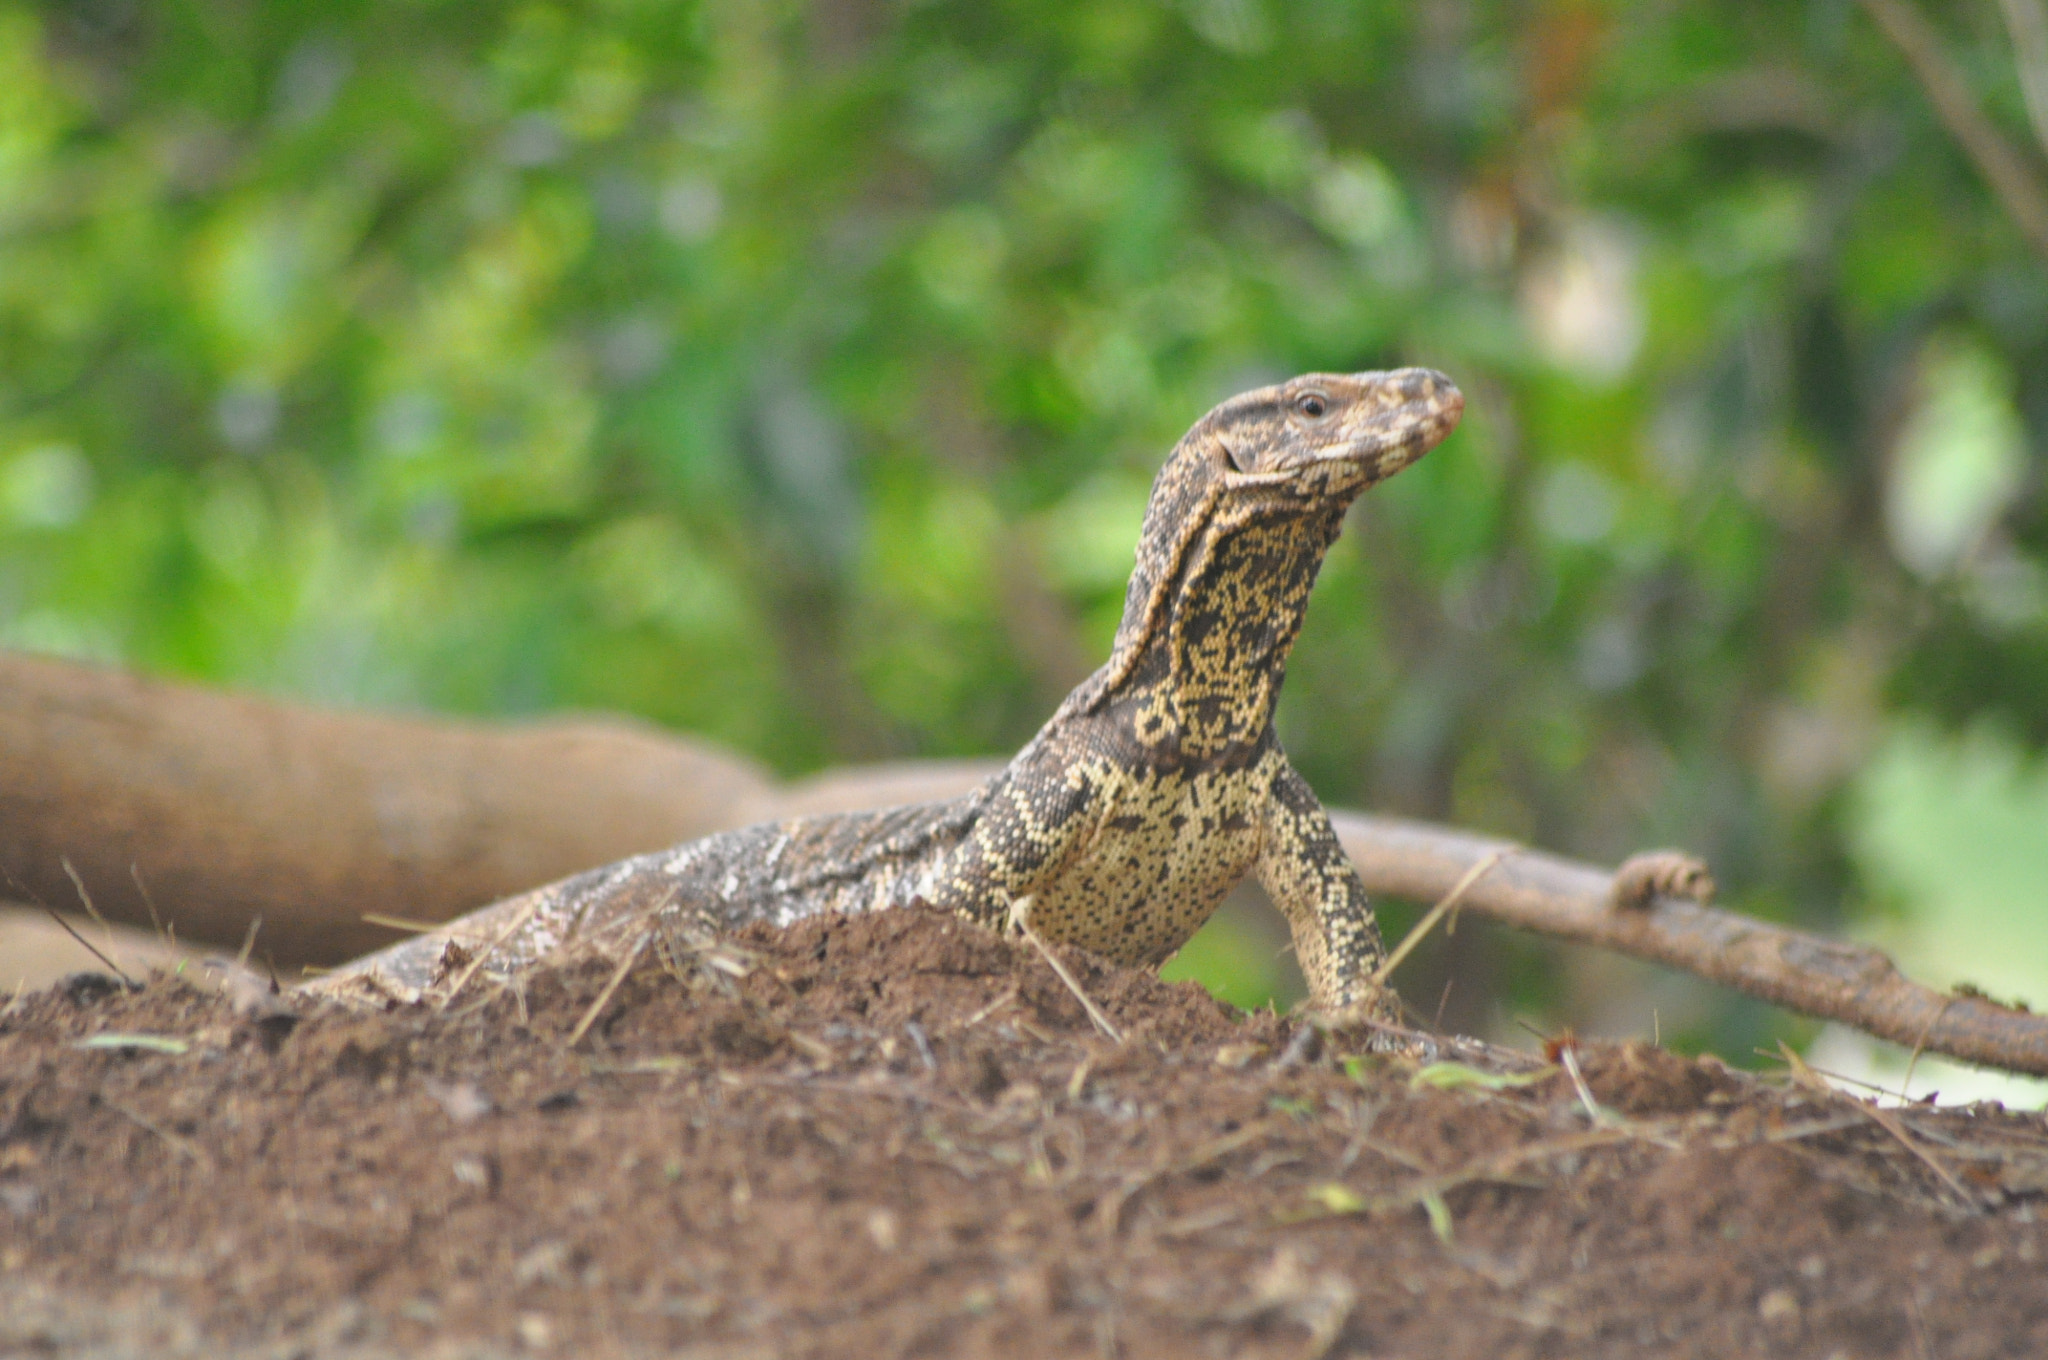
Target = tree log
(234,807)
(231,807)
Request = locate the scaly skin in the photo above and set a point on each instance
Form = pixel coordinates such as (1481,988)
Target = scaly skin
(1155,788)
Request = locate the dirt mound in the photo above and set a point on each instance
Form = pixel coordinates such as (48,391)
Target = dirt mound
(898,1135)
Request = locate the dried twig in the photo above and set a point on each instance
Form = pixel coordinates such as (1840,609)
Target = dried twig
(2027,23)
(1338,1201)
(1445,904)
(990,1009)
(72,931)
(2012,180)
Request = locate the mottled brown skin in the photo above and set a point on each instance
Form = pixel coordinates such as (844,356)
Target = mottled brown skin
(1157,785)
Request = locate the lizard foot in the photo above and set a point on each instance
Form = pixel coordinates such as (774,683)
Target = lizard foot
(1373,1021)
(1643,878)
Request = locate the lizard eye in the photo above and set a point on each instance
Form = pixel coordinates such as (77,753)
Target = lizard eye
(1314,405)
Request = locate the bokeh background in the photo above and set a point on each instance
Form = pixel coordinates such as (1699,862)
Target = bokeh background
(794,374)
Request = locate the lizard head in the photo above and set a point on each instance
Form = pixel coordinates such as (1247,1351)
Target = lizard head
(1326,435)
(1243,511)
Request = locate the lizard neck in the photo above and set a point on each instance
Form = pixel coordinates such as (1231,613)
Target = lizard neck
(1202,650)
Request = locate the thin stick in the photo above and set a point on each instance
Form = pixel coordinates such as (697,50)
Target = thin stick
(1020,917)
(618,976)
(1437,912)
(1499,1167)
(1831,1074)
(2012,180)
(2027,22)
(156,922)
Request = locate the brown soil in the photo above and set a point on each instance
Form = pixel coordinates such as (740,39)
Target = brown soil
(898,1136)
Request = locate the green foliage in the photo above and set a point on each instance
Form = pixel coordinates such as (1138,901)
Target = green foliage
(793,374)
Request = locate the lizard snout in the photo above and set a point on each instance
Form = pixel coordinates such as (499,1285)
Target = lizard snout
(1395,418)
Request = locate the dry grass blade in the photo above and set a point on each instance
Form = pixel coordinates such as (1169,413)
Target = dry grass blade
(248,944)
(618,976)
(519,918)
(78,882)
(156,922)
(377,918)
(1338,1201)
(67,927)
(1884,1119)
(1567,1055)
(1444,906)
(1791,1133)
(1020,917)
(1896,1127)
(990,1009)
(1920,1046)
(177,1143)
(86,944)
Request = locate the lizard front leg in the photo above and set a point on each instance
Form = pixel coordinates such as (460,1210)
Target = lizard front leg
(1029,829)
(1310,879)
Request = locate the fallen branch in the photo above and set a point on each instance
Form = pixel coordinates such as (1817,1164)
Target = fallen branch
(1831,979)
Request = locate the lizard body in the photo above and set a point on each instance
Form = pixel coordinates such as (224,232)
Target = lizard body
(1157,785)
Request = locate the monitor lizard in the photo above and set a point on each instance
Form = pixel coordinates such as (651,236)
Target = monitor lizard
(1155,787)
